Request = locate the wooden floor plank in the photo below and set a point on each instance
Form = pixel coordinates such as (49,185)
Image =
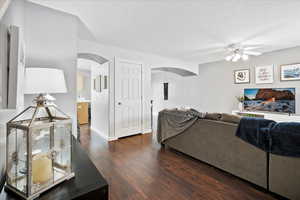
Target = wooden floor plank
(137,168)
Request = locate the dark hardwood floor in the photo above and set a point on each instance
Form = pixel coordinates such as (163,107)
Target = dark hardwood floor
(137,168)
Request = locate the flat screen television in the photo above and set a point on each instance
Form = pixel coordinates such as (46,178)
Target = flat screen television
(281,100)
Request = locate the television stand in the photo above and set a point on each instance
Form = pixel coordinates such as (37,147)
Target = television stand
(278,117)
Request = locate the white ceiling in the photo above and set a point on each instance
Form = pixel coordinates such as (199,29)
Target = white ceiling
(187,29)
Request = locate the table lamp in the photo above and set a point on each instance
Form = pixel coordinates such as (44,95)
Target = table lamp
(39,147)
(44,81)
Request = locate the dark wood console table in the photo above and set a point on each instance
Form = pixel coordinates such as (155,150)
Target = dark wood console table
(87,184)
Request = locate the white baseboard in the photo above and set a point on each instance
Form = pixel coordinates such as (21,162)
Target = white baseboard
(107,138)
(147,131)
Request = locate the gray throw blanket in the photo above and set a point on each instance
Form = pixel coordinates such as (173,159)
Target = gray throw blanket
(173,122)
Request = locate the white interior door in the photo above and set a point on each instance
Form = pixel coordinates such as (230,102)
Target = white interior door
(128,98)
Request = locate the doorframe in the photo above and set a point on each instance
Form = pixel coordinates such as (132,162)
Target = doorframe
(101,60)
(116,60)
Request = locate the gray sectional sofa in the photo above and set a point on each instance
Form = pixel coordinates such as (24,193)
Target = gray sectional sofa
(214,142)
(284,176)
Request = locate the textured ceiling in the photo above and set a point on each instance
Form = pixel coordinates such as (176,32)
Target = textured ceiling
(187,29)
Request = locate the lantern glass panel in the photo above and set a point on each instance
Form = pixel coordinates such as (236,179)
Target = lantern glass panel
(17,159)
(42,172)
(62,147)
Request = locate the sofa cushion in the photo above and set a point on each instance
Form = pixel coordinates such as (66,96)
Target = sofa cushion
(230,118)
(213,116)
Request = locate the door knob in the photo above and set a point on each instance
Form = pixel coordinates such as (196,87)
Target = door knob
(119,103)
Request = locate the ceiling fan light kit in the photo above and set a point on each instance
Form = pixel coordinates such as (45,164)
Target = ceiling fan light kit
(237,52)
(245,57)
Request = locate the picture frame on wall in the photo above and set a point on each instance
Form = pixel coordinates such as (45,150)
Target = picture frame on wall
(97,84)
(290,72)
(264,74)
(105,82)
(166,91)
(241,76)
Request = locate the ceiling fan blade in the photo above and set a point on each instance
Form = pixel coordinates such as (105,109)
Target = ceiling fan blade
(251,47)
(252,53)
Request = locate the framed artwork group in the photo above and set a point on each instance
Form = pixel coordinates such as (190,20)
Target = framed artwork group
(265,74)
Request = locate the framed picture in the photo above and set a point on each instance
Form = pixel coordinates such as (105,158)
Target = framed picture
(241,76)
(97,84)
(264,74)
(105,84)
(290,72)
(166,91)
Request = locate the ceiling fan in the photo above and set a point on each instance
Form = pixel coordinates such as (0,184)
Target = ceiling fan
(238,51)
(233,52)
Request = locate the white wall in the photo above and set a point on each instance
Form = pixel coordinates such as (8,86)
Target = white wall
(51,41)
(214,89)
(177,92)
(3,7)
(150,59)
(174,97)
(100,102)
(14,15)
(84,84)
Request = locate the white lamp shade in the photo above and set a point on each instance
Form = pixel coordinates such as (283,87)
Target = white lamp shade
(44,80)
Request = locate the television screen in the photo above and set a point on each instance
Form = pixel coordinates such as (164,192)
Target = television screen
(270,99)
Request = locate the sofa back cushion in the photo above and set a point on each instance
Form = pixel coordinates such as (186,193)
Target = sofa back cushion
(213,116)
(230,118)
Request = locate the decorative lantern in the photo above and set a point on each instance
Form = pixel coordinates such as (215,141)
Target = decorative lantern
(39,148)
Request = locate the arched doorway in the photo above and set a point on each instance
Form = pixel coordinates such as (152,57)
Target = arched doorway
(93,94)
(165,81)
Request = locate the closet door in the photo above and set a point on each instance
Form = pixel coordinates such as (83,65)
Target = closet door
(128,98)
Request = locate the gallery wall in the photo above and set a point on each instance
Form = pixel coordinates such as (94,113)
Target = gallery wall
(214,89)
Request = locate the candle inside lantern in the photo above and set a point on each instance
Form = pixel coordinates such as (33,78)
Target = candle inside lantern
(41,169)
